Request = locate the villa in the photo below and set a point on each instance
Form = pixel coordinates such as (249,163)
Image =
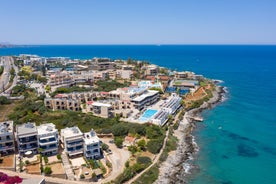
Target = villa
(6,137)
(27,138)
(91,145)
(48,138)
(72,139)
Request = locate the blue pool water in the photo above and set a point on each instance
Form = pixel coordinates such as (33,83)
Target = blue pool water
(237,138)
(148,114)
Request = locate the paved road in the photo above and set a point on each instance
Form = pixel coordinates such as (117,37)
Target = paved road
(8,64)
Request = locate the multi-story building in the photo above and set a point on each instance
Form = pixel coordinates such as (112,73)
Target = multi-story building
(61,79)
(146,99)
(99,109)
(27,139)
(48,139)
(6,137)
(72,139)
(62,104)
(103,64)
(91,145)
(151,70)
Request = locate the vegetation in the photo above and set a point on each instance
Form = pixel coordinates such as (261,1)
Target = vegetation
(19,90)
(171,145)
(118,142)
(105,146)
(102,167)
(82,176)
(4,100)
(148,177)
(69,90)
(109,85)
(1,160)
(27,162)
(1,70)
(46,160)
(47,170)
(144,161)
(58,156)
(154,145)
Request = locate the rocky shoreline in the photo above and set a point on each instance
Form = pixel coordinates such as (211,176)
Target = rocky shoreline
(177,168)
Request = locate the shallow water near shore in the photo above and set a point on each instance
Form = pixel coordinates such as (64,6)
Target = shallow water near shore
(237,138)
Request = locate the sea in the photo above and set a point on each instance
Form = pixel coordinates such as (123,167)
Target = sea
(237,139)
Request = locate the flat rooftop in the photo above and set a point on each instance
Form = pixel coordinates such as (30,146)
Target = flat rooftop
(6,127)
(145,95)
(46,128)
(26,128)
(91,137)
(71,132)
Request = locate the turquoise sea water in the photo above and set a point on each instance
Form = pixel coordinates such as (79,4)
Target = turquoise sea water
(237,139)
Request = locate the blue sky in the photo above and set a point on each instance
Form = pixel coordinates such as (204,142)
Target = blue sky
(138,22)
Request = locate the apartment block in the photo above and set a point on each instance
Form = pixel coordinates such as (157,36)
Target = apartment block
(99,109)
(91,145)
(6,137)
(27,138)
(62,104)
(48,138)
(72,139)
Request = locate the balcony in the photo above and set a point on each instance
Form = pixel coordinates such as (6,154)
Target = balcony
(69,145)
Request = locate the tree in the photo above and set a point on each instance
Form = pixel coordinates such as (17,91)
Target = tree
(154,145)
(4,100)
(105,146)
(118,142)
(142,144)
(48,170)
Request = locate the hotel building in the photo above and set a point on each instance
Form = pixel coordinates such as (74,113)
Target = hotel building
(146,99)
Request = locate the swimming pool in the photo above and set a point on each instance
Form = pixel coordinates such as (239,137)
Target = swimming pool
(148,114)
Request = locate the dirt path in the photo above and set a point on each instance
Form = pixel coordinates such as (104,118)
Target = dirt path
(156,159)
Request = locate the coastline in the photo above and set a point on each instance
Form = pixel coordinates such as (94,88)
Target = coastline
(176,168)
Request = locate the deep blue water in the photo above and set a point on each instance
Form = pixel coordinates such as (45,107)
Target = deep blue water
(237,140)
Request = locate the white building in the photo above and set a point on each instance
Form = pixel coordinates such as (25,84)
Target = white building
(27,140)
(146,99)
(48,138)
(72,139)
(91,145)
(6,137)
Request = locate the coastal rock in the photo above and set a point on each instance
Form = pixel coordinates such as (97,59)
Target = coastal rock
(176,167)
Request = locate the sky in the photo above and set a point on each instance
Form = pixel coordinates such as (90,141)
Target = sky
(138,22)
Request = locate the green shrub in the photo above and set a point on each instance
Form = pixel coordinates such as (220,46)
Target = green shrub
(105,146)
(27,162)
(47,170)
(82,176)
(118,142)
(46,160)
(144,161)
(58,156)
(154,145)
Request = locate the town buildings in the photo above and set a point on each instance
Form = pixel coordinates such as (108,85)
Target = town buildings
(99,109)
(6,137)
